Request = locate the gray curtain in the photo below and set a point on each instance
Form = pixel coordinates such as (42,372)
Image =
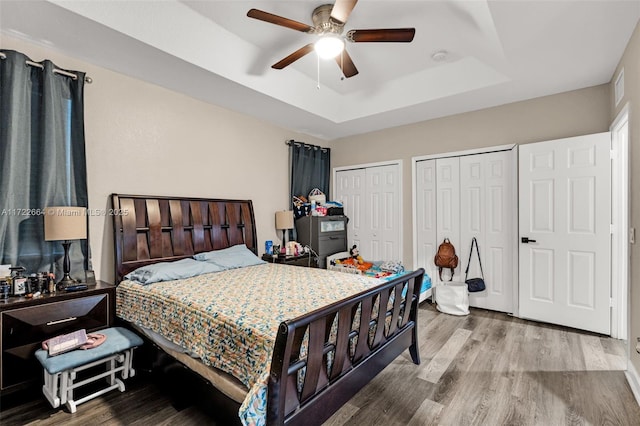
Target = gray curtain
(42,161)
(310,168)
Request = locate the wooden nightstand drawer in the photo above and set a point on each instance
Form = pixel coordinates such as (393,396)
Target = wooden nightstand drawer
(37,323)
(25,323)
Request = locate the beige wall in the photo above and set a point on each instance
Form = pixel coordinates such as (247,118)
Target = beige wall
(143,139)
(552,117)
(631,63)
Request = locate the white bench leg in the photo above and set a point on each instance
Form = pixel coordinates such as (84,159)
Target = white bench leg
(128,363)
(71,406)
(50,388)
(64,387)
(112,376)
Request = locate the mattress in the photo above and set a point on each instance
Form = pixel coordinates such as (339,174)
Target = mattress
(224,382)
(229,319)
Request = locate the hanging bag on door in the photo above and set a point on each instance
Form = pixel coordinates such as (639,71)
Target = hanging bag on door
(446,258)
(474,284)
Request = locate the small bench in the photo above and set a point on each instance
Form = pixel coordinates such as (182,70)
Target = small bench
(60,371)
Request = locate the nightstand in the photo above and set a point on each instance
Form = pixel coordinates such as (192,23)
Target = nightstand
(25,323)
(305,259)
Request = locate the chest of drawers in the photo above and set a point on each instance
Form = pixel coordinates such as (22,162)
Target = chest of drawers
(324,234)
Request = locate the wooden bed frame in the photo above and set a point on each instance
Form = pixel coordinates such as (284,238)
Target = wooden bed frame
(151,229)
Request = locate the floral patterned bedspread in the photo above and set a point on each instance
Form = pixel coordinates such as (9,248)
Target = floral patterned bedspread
(230,319)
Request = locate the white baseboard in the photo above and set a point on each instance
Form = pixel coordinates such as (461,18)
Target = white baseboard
(634,380)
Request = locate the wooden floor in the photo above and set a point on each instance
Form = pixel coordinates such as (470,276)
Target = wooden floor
(483,369)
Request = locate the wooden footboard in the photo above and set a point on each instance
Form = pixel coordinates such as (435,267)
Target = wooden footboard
(320,361)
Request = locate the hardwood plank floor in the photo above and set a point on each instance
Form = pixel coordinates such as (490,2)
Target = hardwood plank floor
(483,369)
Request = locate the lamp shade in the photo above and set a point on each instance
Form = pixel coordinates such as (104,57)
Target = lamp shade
(284,219)
(65,223)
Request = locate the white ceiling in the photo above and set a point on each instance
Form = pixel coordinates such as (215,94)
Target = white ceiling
(498,52)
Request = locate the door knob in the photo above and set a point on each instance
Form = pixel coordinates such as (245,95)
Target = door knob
(526,240)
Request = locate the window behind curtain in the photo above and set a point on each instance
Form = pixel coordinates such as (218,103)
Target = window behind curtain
(42,160)
(310,168)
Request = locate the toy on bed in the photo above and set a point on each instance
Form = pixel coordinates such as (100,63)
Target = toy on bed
(355,254)
(353,261)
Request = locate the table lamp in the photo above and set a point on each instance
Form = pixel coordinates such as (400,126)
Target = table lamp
(65,224)
(284,221)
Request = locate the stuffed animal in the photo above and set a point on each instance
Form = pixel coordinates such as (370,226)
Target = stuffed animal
(355,254)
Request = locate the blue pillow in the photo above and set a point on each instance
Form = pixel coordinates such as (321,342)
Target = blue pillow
(231,258)
(167,271)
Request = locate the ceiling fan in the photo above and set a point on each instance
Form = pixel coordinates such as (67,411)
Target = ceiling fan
(328,23)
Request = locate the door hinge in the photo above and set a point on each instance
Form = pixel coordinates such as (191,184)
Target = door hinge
(612,154)
(612,228)
(611,302)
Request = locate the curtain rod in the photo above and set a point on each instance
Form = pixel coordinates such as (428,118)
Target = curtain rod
(87,79)
(308,145)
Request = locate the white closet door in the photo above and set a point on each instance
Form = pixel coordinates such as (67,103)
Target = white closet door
(448,209)
(426,232)
(351,193)
(382,214)
(487,213)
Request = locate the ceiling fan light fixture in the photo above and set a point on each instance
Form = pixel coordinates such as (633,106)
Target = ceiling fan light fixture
(329,46)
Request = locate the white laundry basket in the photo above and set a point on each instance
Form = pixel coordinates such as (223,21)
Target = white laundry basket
(452,298)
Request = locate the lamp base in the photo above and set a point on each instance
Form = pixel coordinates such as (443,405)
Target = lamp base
(66,268)
(65,281)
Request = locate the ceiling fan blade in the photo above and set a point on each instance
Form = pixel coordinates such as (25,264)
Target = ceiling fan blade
(342,9)
(293,57)
(402,35)
(278,20)
(346,64)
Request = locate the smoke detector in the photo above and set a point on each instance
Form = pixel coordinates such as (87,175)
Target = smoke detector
(439,56)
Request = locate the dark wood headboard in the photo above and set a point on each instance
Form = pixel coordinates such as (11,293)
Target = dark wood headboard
(151,229)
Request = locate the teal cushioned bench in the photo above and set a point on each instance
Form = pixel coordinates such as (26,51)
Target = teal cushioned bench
(60,371)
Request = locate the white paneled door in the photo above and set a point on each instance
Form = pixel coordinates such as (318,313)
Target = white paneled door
(383,213)
(466,196)
(371,199)
(448,209)
(565,236)
(426,219)
(350,191)
(488,213)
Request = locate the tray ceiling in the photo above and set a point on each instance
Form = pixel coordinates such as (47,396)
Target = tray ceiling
(494,52)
